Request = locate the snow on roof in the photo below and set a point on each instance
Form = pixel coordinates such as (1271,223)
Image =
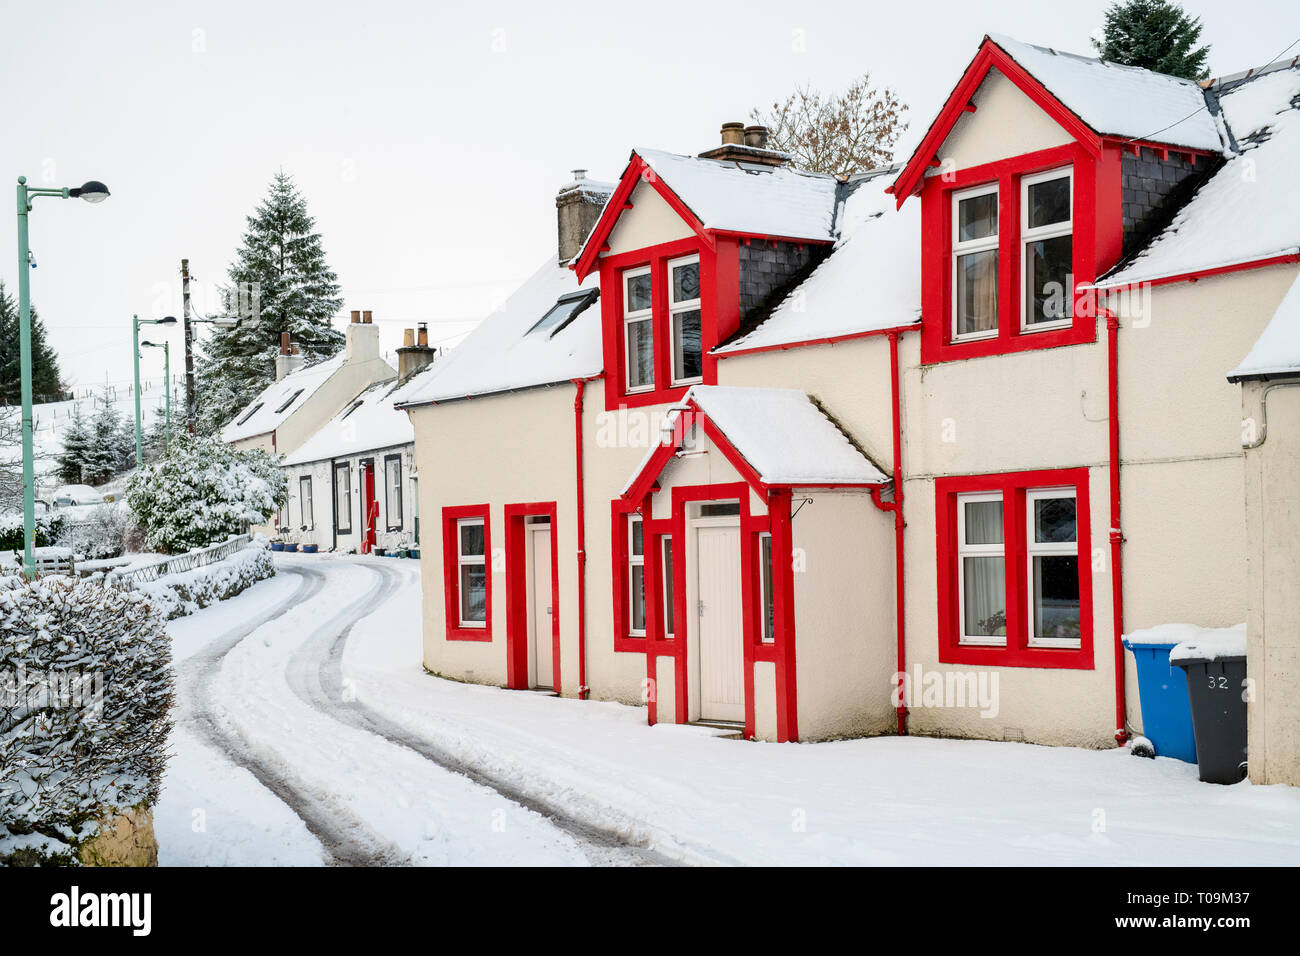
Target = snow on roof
(1277,350)
(872,279)
(1117,100)
(368,423)
(783,435)
(279,400)
(1250,208)
(505,353)
(730,196)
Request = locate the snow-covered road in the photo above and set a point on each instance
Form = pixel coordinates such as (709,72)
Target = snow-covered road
(309,733)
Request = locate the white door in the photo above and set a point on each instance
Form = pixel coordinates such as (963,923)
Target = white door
(718,612)
(539,608)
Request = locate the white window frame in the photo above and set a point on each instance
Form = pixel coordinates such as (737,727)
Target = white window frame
(391,489)
(674,309)
(964,551)
(1052,231)
(961,248)
(763,596)
(630,317)
(666,542)
(634,561)
(306,502)
(468,560)
(1035,549)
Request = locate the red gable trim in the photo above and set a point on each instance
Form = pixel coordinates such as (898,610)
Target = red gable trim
(637,170)
(990,56)
(649,474)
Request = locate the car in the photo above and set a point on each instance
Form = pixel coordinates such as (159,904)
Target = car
(74,495)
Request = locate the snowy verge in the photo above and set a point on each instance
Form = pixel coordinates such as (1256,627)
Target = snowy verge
(186,591)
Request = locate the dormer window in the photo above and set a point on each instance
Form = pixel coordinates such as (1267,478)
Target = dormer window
(684,312)
(1047,248)
(975,262)
(638,329)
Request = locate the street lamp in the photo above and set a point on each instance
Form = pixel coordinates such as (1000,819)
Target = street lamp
(93,192)
(167,386)
(136,322)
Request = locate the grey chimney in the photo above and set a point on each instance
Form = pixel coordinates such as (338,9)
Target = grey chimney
(746,144)
(415,352)
(289,360)
(578,206)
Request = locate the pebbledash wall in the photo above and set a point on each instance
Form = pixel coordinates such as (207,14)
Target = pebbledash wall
(324,528)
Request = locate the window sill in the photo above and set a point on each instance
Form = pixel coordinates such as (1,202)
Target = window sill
(1062,658)
(468,633)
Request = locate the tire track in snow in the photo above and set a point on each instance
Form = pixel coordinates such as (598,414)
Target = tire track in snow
(316,675)
(343,835)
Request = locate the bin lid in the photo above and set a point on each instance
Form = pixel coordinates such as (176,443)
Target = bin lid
(1219,644)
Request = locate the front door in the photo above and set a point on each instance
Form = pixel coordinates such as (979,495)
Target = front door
(718,611)
(540,611)
(369,506)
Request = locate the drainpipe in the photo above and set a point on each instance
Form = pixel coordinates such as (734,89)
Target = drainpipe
(1116,534)
(896,506)
(581,384)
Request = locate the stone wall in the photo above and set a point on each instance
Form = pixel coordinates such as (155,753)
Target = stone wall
(126,840)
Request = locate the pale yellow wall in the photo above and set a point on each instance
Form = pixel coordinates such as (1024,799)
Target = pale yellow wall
(348,381)
(1273,585)
(649,222)
(1006,123)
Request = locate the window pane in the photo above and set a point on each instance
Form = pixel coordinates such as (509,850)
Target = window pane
(640,354)
(473,593)
(1054,519)
(686,282)
(977,217)
(638,292)
(986,597)
(638,597)
(977,292)
(471,540)
(1049,202)
(670,612)
(1056,596)
(636,544)
(688,359)
(1047,279)
(769,606)
(983,522)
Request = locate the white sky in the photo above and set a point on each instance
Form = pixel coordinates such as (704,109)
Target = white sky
(428,138)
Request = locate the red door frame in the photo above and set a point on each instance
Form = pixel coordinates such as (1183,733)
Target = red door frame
(517,593)
(369,506)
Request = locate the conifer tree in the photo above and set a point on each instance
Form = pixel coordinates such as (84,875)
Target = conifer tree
(1154,34)
(47,385)
(76,443)
(280,274)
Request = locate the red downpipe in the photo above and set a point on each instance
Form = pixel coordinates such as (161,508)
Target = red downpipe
(581,384)
(1116,535)
(896,506)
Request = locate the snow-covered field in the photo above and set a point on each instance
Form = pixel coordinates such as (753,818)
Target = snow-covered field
(349,732)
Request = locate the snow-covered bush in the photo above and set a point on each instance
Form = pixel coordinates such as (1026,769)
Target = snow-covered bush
(48,528)
(186,591)
(202,492)
(85,690)
(101,533)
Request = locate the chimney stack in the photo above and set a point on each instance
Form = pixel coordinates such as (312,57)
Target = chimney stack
(578,206)
(746,144)
(362,338)
(415,353)
(289,360)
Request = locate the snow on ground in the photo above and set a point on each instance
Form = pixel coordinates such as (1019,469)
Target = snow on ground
(696,795)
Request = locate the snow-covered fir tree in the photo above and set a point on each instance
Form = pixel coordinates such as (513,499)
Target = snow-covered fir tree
(1154,34)
(76,444)
(96,449)
(281,271)
(47,383)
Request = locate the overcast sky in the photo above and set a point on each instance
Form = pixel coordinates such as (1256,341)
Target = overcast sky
(428,138)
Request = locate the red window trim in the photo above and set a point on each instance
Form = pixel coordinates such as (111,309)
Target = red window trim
(451,571)
(1017,652)
(719,314)
(1098,236)
(624,639)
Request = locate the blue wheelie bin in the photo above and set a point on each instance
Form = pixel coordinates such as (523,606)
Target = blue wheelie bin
(1166,709)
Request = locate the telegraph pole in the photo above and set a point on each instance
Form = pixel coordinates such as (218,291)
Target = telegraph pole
(189,348)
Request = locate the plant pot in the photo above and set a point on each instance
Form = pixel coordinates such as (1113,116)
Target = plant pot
(415,553)
(277,545)
(291,547)
(380,552)
(310,548)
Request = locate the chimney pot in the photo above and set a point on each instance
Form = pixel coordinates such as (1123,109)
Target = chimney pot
(579,174)
(408,338)
(366,317)
(756,137)
(284,343)
(422,335)
(733,134)
(356,315)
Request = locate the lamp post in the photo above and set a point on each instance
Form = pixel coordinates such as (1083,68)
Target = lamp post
(92,192)
(167,379)
(136,322)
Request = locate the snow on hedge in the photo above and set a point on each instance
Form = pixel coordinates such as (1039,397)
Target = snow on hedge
(204,491)
(85,689)
(48,527)
(186,591)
